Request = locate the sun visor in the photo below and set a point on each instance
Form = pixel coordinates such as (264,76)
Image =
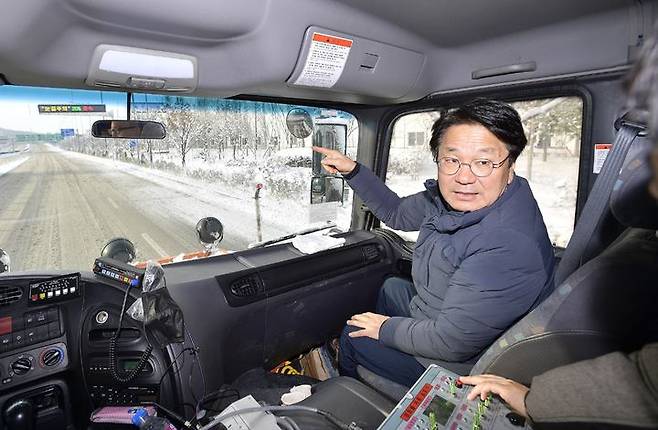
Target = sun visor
(190,19)
(346,63)
(138,69)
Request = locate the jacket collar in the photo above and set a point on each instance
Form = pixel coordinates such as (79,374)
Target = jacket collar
(451,220)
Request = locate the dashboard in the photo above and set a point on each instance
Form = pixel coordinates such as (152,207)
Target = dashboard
(55,332)
(244,310)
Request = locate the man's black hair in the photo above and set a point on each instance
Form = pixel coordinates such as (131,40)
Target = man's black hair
(499,118)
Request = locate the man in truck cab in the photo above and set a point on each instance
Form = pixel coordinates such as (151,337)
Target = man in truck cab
(482,259)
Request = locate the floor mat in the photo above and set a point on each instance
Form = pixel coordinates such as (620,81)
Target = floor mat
(264,386)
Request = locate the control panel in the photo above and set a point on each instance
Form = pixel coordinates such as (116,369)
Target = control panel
(32,364)
(56,289)
(118,271)
(438,401)
(19,331)
(112,395)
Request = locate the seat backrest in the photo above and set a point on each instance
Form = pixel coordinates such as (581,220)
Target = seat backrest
(607,304)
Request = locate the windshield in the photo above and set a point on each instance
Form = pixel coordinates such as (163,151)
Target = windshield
(64,194)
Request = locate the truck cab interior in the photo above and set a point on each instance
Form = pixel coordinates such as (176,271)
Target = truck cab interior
(375,73)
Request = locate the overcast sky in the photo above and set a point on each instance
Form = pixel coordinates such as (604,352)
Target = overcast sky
(19,111)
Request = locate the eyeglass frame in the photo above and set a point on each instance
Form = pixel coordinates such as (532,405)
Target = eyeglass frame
(494,165)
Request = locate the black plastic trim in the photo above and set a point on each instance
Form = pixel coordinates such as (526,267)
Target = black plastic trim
(278,278)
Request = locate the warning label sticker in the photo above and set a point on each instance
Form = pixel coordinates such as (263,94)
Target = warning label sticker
(325,61)
(601,151)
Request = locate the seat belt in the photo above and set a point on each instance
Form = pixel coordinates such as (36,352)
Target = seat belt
(578,249)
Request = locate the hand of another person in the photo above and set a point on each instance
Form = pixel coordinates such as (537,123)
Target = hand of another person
(369,322)
(335,161)
(511,392)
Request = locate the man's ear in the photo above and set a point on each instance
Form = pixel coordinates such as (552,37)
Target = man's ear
(510,174)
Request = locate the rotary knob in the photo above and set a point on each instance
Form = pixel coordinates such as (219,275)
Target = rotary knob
(21,366)
(52,357)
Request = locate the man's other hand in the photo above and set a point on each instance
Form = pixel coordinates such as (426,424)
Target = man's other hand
(335,161)
(369,322)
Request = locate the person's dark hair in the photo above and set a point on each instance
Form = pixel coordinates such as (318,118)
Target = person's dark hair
(499,118)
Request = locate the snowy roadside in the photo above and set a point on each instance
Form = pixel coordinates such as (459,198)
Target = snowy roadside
(9,163)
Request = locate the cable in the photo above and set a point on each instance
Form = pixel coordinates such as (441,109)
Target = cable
(329,416)
(195,355)
(282,422)
(290,422)
(174,361)
(173,416)
(220,394)
(113,345)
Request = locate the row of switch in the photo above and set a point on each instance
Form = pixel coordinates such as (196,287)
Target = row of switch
(471,416)
(52,294)
(20,338)
(409,411)
(108,395)
(33,319)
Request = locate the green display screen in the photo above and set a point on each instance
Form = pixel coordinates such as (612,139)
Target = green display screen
(442,409)
(128,365)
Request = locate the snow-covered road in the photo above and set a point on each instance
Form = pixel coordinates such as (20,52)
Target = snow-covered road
(58,209)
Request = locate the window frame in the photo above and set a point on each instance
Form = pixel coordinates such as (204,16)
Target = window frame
(586,155)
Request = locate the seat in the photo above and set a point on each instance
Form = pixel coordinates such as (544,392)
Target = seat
(607,304)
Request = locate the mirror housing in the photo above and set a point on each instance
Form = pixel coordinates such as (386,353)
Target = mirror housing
(299,123)
(5,261)
(120,249)
(210,232)
(128,129)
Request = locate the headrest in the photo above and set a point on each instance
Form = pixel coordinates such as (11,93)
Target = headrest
(630,202)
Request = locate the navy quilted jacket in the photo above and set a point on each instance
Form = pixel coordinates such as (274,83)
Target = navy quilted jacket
(475,273)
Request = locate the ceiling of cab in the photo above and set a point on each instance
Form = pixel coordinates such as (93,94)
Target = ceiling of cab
(252,47)
(453,23)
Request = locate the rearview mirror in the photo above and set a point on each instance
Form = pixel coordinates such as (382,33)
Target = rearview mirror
(128,129)
(5,262)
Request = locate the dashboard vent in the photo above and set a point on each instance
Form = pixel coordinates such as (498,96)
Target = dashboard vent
(371,253)
(246,287)
(9,295)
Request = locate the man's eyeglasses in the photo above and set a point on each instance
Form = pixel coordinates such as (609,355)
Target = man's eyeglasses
(480,167)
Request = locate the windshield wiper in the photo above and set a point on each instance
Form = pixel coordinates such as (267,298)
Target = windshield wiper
(330,224)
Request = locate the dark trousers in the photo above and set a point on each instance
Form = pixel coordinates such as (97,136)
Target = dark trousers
(398,366)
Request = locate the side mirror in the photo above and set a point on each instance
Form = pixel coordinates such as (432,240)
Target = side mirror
(210,232)
(326,189)
(122,129)
(119,249)
(328,135)
(5,261)
(299,123)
